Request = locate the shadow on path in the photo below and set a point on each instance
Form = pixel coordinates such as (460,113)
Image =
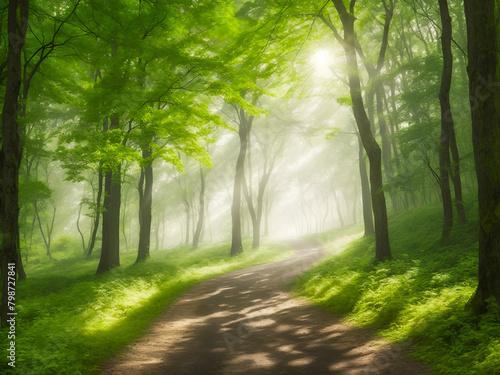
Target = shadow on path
(245,323)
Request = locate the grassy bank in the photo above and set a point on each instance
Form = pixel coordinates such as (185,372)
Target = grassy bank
(420,296)
(69,320)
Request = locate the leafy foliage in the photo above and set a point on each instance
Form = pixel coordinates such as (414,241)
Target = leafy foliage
(419,297)
(70,321)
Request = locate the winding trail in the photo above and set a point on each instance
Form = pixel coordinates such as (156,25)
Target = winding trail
(245,322)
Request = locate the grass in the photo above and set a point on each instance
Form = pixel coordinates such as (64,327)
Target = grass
(420,296)
(70,320)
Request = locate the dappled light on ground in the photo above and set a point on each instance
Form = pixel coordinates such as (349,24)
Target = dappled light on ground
(246,323)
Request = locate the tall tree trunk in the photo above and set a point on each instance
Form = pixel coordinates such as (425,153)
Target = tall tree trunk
(201,216)
(20,267)
(456,176)
(339,209)
(253,214)
(110,251)
(145,206)
(11,152)
(446,37)
(46,235)
(365,192)
(188,221)
(123,220)
(386,146)
(260,205)
(105,262)
(382,244)
(244,130)
(84,247)
(482,46)
(114,218)
(266,216)
(97,217)
(446,119)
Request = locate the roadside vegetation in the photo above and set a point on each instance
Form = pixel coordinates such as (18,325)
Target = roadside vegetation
(420,297)
(70,321)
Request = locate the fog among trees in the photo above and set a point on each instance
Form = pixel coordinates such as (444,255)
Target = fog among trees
(141,126)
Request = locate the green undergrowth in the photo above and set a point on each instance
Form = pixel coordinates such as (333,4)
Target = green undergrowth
(70,320)
(419,297)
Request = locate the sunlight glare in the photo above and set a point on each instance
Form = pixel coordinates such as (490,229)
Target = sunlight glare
(321,61)
(321,57)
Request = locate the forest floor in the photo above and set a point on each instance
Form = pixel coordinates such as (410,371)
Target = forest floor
(246,322)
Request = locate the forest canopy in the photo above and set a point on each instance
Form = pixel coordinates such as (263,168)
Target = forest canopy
(134,126)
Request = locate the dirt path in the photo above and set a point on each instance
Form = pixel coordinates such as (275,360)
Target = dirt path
(246,323)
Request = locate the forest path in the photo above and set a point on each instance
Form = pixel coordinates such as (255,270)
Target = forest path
(245,322)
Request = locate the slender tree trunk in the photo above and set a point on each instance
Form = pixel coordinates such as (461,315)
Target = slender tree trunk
(448,57)
(163,225)
(110,252)
(46,236)
(365,193)
(20,268)
(244,130)
(482,45)
(97,217)
(145,207)
(188,221)
(124,221)
(157,233)
(11,151)
(339,209)
(444,184)
(382,244)
(201,216)
(253,214)
(386,146)
(370,99)
(104,262)
(32,230)
(446,120)
(78,227)
(260,205)
(209,222)
(266,217)
(114,217)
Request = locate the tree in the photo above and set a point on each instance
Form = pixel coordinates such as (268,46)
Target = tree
(382,244)
(110,249)
(447,138)
(145,204)
(201,215)
(483,71)
(245,127)
(11,152)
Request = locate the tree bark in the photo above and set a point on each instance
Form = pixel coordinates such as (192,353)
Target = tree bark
(110,250)
(82,237)
(386,146)
(260,204)
(365,192)
(447,123)
(47,236)
(253,214)
(382,244)
(339,209)
(145,206)
(446,118)
(11,152)
(244,130)
(188,220)
(97,217)
(484,94)
(201,216)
